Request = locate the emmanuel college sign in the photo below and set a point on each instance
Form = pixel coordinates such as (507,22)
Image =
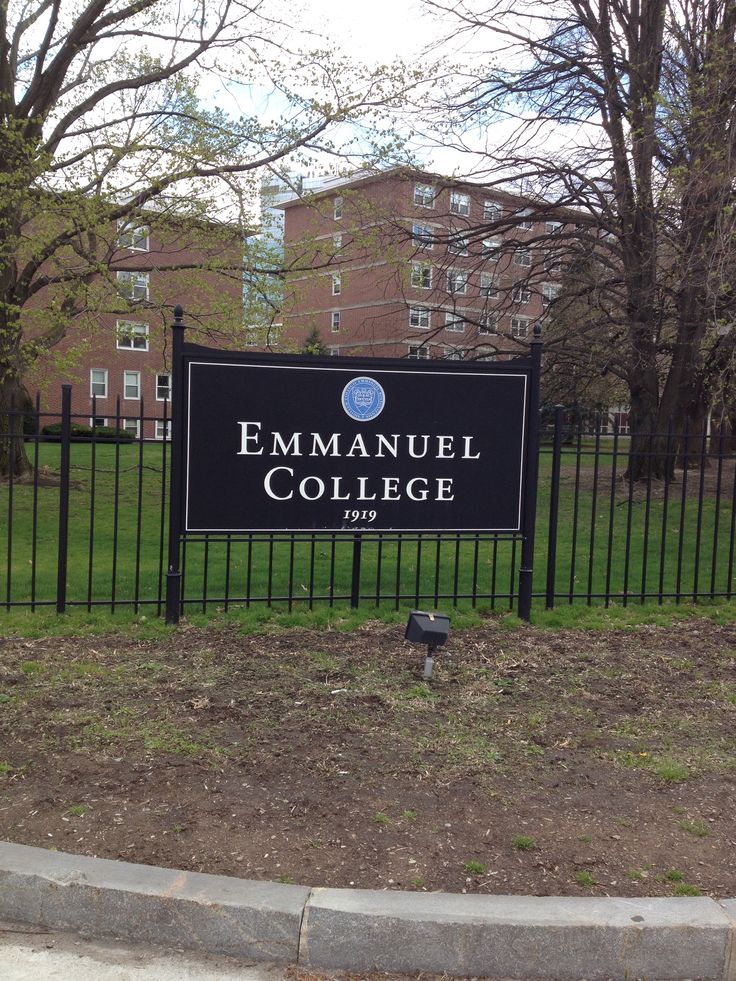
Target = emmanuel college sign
(285,445)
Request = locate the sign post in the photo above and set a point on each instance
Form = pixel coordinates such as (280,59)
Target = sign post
(288,444)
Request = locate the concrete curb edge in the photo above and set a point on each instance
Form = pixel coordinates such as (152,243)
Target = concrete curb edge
(661,939)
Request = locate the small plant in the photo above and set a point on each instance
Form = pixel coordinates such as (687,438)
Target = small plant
(586,839)
(673,875)
(678,809)
(420,691)
(380,818)
(177,829)
(686,889)
(5,768)
(585,879)
(285,878)
(77,810)
(472,867)
(524,843)
(672,771)
(417,882)
(697,828)
(31,667)
(409,815)
(634,874)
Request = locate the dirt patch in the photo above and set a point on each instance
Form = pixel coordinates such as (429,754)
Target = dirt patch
(566,763)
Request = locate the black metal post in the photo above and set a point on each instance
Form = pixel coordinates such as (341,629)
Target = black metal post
(355,586)
(66,434)
(173,576)
(554,504)
(530,481)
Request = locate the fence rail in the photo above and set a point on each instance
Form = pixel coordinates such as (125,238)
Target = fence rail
(87,526)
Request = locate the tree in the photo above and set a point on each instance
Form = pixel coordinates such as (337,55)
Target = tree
(622,111)
(313,344)
(102,126)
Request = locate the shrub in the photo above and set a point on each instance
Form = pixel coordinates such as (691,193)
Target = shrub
(80,432)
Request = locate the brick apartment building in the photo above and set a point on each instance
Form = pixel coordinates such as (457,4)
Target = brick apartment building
(407,264)
(116,354)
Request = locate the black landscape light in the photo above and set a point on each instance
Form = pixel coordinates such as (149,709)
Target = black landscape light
(430,629)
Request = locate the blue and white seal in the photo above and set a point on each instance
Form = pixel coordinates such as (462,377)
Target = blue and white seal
(363,399)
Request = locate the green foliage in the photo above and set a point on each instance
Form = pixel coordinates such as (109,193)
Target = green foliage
(524,843)
(473,867)
(313,344)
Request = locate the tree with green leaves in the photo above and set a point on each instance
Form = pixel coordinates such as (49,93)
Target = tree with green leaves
(112,113)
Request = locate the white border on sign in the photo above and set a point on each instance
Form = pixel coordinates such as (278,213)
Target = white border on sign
(384,371)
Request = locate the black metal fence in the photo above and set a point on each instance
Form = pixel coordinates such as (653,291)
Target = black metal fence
(86,526)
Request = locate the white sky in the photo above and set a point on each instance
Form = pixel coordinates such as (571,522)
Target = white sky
(373,30)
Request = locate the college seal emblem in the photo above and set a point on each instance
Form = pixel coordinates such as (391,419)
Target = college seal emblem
(363,399)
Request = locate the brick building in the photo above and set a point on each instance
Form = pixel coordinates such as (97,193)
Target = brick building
(408,264)
(116,353)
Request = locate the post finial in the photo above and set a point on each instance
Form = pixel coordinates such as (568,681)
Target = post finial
(178,315)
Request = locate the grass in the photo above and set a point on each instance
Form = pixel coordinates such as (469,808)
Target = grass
(697,828)
(585,879)
(128,557)
(523,843)
(473,867)
(686,889)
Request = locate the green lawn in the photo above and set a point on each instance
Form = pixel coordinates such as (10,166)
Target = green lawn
(118,503)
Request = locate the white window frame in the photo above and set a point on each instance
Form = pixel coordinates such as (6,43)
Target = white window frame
(459,203)
(522,294)
(454,322)
(550,292)
(490,249)
(488,285)
(126,425)
(139,285)
(128,330)
(158,430)
(553,227)
(457,244)
(421,276)
(419,318)
(457,282)
(520,327)
(523,257)
(525,213)
(129,236)
(492,211)
(92,393)
(336,284)
(421,236)
(418,352)
(335,319)
(163,374)
(334,352)
(424,195)
(454,353)
(131,398)
(103,422)
(489,321)
(337,209)
(337,242)
(552,262)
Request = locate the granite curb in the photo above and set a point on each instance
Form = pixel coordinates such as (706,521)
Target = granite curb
(519,937)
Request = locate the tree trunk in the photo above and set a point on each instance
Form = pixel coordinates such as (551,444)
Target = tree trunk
(14,404)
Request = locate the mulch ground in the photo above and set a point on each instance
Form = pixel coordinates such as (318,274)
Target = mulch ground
(544,763)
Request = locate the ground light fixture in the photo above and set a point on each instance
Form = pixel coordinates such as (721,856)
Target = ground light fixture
(430,629)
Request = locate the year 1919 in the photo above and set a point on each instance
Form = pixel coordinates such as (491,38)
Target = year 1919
(354,516)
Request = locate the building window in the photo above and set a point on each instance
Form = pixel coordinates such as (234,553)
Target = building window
(553,227)
(525,219)
(522,257)
(132,426)
(336,284)
(459,203)
(131,384)
(337,213)
(336,243)
(419,317)
(522,294)
(162,429)
(251,337)
(163,388)
(132,337)
(488,285)
(552,262)
(421,236)
(132,236)
(491,211)
(457,282)
(418,352)
(97,422)
(334,352)
(455,323)
(424,195)
(421,276)
(519,326)
(488,323)
(550,292)
(456,244)
(133,285)
(490,249)
(335,321)
(98,383)
(454,354)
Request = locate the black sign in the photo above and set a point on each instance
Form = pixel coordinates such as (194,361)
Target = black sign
(278,444)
